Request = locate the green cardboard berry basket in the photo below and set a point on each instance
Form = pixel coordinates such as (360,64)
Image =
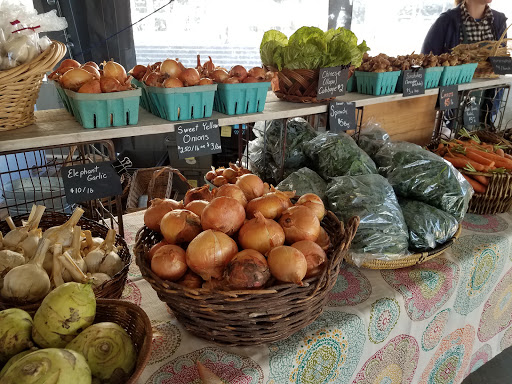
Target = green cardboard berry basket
(145,101)
(466,73)
(64,97)
(377,84)
(101,110)
(450,75)
(433,76)
(238,99)
(352,84)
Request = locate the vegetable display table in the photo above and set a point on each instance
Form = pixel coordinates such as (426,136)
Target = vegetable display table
(432,323)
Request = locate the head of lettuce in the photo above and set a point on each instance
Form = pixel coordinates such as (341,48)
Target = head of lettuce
(311,48)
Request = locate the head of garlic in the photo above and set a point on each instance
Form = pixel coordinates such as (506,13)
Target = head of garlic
(17,235)
(31,242)
(9,260)
(75,253)
(99,278)
(63,234)
(97,256)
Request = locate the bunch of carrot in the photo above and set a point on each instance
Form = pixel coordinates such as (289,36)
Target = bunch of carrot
(475,156)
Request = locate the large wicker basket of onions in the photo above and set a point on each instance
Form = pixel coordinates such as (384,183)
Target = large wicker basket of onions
(219,260)
(45,249)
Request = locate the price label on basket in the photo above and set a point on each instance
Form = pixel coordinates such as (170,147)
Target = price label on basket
(471,113)
(86,182)
(332,82)
(502,65)
(413,82)
(342,116)
(199,138)
(448,97)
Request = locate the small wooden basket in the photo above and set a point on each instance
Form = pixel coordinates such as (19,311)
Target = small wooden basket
(19,87)
(250,317)
(111,289)
(498,196)
(298,85)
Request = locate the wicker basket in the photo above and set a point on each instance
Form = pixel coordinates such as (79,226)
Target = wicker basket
(248,318)
(298,85)
(153,182)
(19,87)
(496,199)
(407,261)
(111,289)
(494,138)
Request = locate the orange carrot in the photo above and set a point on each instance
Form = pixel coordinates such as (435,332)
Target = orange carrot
(478,167)
(474,154)
(484,180)
(479,188)
(507,156)
(498,160)
(500,152)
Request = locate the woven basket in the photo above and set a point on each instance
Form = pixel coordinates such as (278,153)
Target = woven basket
(19,87)
(153,182)
(496,199)
(407,261)
(111,289)
(248,318)
(494,138)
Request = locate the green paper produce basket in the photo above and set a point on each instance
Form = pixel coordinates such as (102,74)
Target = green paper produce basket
(433,76)
(185,103)
(450,75)
(377,84)
(238,99)
(64,97)
(145,101)
(101,110)
(466,73)
(352,84)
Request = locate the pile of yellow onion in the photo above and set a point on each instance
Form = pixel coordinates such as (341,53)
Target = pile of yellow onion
(239,236)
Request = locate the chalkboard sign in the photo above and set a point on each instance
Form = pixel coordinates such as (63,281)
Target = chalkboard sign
(501,65)
(90,181)
(332,82)
(448,97)
(471,114)
(413,82)
(342,116)
(199,138)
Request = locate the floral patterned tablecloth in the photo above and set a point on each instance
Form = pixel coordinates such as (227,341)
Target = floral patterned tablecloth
(434,323)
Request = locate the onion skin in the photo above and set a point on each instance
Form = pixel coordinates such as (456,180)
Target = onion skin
(239,72)
(219,181)
(180,226)
(247,269)
(232,80)
(223,214)
(154,79)
(197,206)
(92,70)
(92,86)
(172,82)
(189,77)
(270,206)
(191,280)
(199,193)
(230,175)
(108,84)
(115,71)
(73,63)
(324,241)
(284,196)
(231,190)
(138,71)
(205,81)
(250,79)
(157,210)
(75,78)
(171,68)
(219,76)
(315,256)
(299,223)
(261,234)
(251,185)
(210,175)
(257,72)
(155,248)
(169,262)
(313,202)
(209,253)
(287,264)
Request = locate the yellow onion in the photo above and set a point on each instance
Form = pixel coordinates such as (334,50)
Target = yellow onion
(285,196)
(247,269)
(251,185)
(180,226)
(210,175)
(157,210)
(172,82)
(230,174)
(189,77)
(223,214)
(269,205)
(93,70)
(169,262)
(199,193)
(239,72)
(75,78)
(155,248)
(219,181)
(90,64)
(115,71)
(300,223)
(324,241)
(287,264)
(190,280)
(197,206)
(232,80)
(314,254)
(261,234)
(138,71)
(231,190)
(250,79)
(171,68)
(313,202)
(257,72)
(209,253)
(205,81)
(92,86)
(219,75)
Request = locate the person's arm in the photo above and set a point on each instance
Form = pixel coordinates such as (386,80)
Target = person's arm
(435,39)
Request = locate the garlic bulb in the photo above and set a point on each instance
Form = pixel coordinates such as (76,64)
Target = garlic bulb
(28,282)
(9,260)
(74,251)
(76,273)
(95,257)
(111,264)
(90,242)
(18,234)
(57,265)
(31,242)
(63,234)
(99,278)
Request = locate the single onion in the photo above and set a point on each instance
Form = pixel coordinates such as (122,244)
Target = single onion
(157,210)
(93,70)
(313,202)
(138,71)
(172,82)
(314,254)
(109,84)
(219,75)
(250,79)
(208,67)
(232,80)
(210,175)
(269,205)
(169,262)
(266,189)
(232,190)
(285,196)
(90,63)
(251,185)
(180,64)
(197,206)
(219,181)
(261,234)
(71,63)
(189,77)
(257,72)
(171,68)
(154,79)
(199,193)
(220,171)
(324,241)
(155,248)
(92,86)
(180,226)
(247,269)
(300,223)
(156,66)
(209,253)
(114,70)
(205,81)
(190,280)
(239,72)
(223,214)
(287,264)
(75,78)
(230,175)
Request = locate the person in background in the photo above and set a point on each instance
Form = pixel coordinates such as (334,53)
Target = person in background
(471,21)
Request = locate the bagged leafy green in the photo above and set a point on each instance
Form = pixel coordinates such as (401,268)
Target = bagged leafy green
(382,233)
(304,181)
(259,158)
(337,154)
(372,138)
(428,226)
(418,174)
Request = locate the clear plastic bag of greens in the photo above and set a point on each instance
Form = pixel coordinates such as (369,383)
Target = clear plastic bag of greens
(258,158)
(372,137)
(337,154)
(304,181)
(428,226)
(418,174)
(382,232)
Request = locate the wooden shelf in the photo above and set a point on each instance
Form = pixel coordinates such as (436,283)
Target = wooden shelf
(55,127)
